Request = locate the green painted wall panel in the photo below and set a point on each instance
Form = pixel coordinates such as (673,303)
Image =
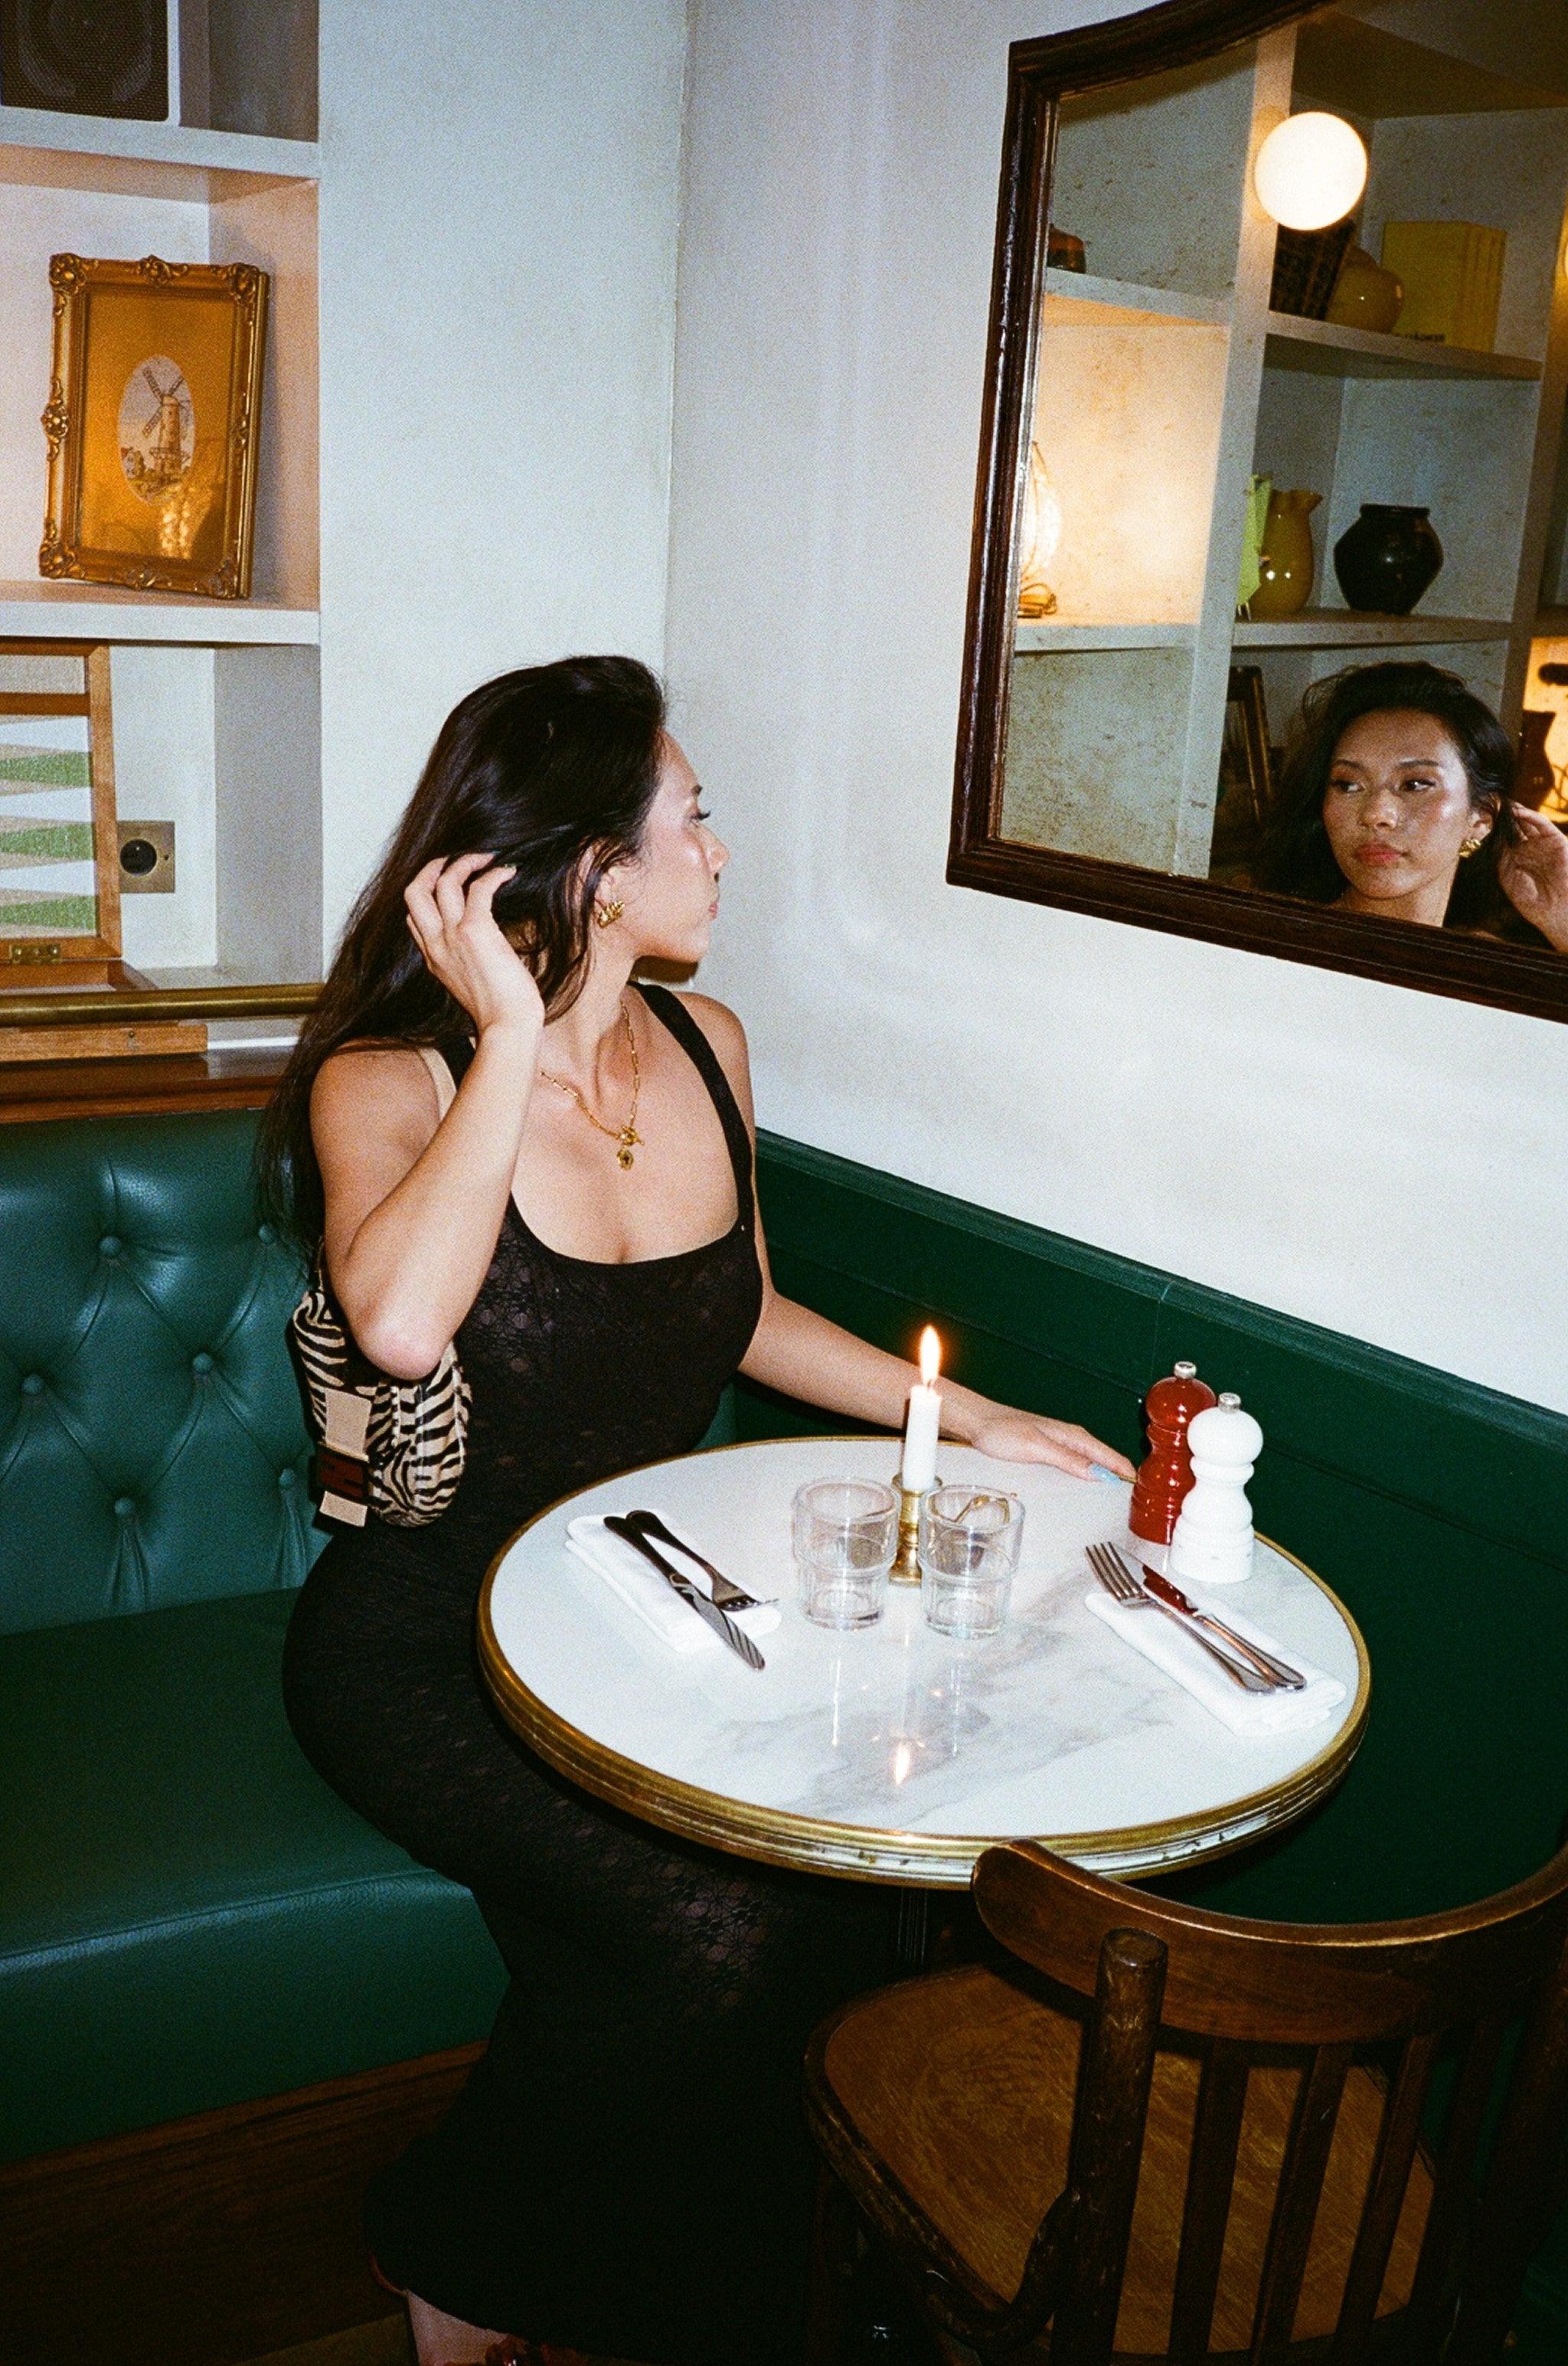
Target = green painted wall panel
(1487,1463)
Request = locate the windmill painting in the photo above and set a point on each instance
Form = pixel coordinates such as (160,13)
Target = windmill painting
(154,423)
(157,429)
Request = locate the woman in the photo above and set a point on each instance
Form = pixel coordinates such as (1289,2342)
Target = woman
(626,2171)
(1395,802)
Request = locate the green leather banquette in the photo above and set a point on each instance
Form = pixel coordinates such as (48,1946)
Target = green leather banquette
(188,1918)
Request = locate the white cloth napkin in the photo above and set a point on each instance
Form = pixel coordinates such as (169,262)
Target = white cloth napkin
(655,1602)
(1250,1715)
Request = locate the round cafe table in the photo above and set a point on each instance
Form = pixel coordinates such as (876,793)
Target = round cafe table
(894,1755)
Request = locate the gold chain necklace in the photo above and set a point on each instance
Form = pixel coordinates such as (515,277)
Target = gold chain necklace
(626,1135)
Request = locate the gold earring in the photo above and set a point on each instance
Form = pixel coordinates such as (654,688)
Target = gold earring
(1471,845)
(607,915)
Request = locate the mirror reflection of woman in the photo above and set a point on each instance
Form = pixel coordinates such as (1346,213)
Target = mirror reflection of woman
(1395,802)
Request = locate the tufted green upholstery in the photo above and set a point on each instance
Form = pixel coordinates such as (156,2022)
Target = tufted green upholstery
(152,1447)
(188,1917)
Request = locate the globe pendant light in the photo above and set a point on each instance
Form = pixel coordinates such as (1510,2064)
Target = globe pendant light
(1309,171)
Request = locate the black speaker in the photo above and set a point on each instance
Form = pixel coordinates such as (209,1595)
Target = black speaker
(86,57)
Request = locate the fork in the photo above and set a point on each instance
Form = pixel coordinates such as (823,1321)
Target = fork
(726,1592)
(1123,1587)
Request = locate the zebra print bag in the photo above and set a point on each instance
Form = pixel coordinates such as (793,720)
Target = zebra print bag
(394,1448)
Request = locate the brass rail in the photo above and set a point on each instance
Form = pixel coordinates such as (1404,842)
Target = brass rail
(137,1006)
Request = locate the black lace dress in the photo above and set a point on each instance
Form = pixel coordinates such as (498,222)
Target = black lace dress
(626,2171)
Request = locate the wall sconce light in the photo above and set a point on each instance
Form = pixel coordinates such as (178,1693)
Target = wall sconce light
(1041,532)
(1309,171)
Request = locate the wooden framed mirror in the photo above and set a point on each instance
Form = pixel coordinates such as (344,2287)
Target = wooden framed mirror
(1159,346)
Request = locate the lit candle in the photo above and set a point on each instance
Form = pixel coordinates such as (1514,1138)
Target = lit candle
(923,1425)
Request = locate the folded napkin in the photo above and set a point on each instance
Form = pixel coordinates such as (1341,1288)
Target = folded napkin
(1250,1715)
(655,1602)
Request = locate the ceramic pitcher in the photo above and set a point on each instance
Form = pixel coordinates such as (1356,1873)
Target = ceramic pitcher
(1287,557)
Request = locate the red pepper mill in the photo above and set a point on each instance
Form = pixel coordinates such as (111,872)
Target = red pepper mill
(1167,1472)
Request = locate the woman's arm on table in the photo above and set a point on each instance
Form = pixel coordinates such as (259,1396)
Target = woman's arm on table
(414,1201)
(803,1355)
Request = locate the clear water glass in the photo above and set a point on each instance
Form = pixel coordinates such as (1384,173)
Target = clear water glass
(846,1532)
(970,1541)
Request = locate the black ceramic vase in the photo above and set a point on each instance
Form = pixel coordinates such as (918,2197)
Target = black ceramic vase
(1387,559)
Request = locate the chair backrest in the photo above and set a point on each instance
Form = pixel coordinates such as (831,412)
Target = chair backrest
(1242,1990)
(153,1445)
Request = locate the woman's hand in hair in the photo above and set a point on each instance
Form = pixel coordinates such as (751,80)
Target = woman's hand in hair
(1534,875)
(451,921)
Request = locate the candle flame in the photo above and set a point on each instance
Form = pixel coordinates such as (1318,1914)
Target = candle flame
(930,1355)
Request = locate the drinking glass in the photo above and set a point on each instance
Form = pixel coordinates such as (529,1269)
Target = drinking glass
(969,1547)
(846,1532)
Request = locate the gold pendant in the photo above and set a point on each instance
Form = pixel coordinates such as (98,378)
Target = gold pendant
(628,1136)
(624,1156)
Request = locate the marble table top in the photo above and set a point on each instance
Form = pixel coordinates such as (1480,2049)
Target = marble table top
(895,1755)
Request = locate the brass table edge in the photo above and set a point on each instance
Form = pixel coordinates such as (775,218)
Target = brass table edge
(866,1852)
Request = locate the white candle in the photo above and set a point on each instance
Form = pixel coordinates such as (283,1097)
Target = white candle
(923,1425)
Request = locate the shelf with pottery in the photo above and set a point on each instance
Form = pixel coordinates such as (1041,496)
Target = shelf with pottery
(1080,295)
(1410,437)
(1332,350)
(1386,426)
(1154,409)
(1068,633)
(1349,628)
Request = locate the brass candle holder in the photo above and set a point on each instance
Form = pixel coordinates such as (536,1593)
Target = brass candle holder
(905,1568)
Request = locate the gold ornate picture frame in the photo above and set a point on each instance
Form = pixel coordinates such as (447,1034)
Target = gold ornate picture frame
(154,419)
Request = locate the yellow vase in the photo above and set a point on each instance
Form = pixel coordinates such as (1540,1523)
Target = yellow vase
(1287,557)
(1365,295)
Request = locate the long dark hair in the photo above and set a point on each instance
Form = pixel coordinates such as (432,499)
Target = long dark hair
(1295,858)
(552,769)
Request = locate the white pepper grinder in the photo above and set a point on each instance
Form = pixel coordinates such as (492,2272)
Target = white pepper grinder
(1212,1543)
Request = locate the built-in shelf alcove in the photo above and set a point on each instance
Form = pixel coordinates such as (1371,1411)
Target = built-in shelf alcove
(216,702)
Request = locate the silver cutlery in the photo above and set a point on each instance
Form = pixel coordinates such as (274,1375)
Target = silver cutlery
(726,1592)
(723,1625)
(1264,1661)
(1121,1586)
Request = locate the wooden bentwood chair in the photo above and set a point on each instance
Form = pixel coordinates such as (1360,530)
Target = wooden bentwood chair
(1174,2146)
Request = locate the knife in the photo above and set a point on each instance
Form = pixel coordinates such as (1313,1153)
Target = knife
(1279,1670)
(719,1620)
(726,1592)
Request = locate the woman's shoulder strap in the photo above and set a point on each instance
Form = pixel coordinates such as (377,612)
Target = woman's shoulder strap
(673,1012)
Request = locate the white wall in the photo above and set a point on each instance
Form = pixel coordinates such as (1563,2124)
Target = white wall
(499,188)
(162,704)
(1387,1163)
